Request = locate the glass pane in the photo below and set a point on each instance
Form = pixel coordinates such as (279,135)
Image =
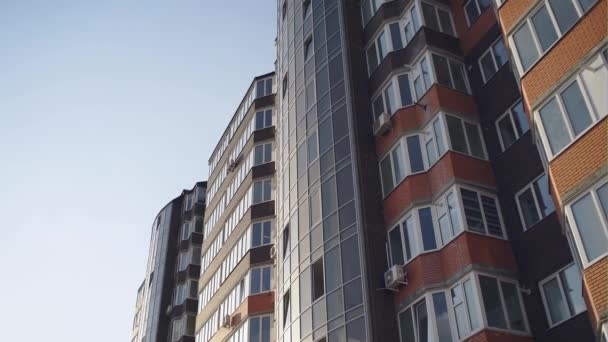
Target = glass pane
(404,90)
(514,310)
(353,295)
(431,152)
(487,66)
(426,74)
(409,32)
(445,21)
(491,215)
(382,45)
(458,76)
(545,201)
(554,125)
(254,330)
(438,129)
(445,229)
(558,309)
(259,120)
(430,19)
(576,108)
(454,213)
(426,229)
(318,281)
(419,87)
(472,11)
(507,133)
(441,317)
(256,236)
(266,329)
(409,237)
(520,118)
(602,194)
(474,140)
(255,281)
(391,101)
(470,300)
(415,19)
(526,48)
(422,322)
(500,53)
(396,246)
(492,303)
(378,106)
(544,28)
(407,326)
(372,58)
(415,153)
(573,288)
(350,251)
(335,304)
(387,176)
(396,36)
(456,132)
(528,208)
(460,311)
(564,13)
(586,4)
(589,226)
(472,210)
(442,70)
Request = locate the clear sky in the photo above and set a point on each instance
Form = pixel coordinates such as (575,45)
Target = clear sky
(108,109)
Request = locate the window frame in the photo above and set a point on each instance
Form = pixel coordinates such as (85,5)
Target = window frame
(264,146)
(499,280)
(509,112)
(556,95)
(556,275)
(261,284)
(527,20)
(490,51)
(530,186)
(405,155)
(261,223)
(483,215)
(436,8)
(466,135)
(580,247)
(263,200)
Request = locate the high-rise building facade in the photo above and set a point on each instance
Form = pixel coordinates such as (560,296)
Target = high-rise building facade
(167,299)
(416,171)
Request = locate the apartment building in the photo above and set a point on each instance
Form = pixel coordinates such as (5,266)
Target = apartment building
(236,297)
(167,298)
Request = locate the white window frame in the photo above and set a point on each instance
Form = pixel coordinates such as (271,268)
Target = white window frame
(595,117)
(261,270)
(263,146)
(470,304)
(186,235)
(449,60)
(466,136)
(271,195)
(479,10)
(556,276)
(261,223)
(483,214)
(437,7)
(573,227)
(530,186)
(509,113)
(405,154)
(527,20)
(490,51)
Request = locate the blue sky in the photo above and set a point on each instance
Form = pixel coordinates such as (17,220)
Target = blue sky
(107,110)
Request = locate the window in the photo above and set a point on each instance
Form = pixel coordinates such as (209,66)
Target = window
(262,191)
(260,280)
(435,145)
(449,218)
(570,111)
(180,294)
(534,202)
(369,8)
(465,137)
(396,94)
(286,241)
(396,40)
(318,281)
(464,306)
(404,159)
(285,85)
(286,308)
(544,27)
(588,217)
(481,213)
(377,51)
(263,87)
(414,323)
(442,319)
(261,233)
(474,8)
(438,19)
(262,154)
(259,330)
(501,304)
(186,230)
(491,61)
(562,295)
(512,125)
(263,119)
(187,202)
(450,73)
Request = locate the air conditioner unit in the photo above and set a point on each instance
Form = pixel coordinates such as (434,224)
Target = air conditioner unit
(227,322)
(382,124)
(273,252)
(394,277)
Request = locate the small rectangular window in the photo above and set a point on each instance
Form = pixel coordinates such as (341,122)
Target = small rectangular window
(474,8)
(396,36)
(262,191)
(318,280)
(563,295)
(512,125)
(502,304)
(427,229)
(308,48)
(535,202)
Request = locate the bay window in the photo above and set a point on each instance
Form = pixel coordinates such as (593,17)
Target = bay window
(512,125)
(588,219)
(534,202)
(562,295)
(575,107)
(543,27)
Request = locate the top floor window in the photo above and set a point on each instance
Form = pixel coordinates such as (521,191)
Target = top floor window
(543,27)
(263,87)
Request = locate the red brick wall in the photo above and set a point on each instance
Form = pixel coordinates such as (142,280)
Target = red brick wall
(421,187)
(466,249)
(596,291)
(497,336)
